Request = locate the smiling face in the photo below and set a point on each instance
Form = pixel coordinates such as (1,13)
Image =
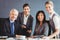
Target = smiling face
(26,10)
(40,17)
(49,8)
(13,14)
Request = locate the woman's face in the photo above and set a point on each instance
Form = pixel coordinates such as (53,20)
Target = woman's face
(49,8)
(40,17)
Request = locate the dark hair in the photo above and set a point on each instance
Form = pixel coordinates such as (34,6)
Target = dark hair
(37,21)
(25,5)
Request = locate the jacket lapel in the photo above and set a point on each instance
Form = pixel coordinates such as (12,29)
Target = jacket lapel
(22,20)
(28,20)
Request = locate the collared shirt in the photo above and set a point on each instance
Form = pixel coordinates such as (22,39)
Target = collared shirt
(56,20)
(25,19)
(11,21)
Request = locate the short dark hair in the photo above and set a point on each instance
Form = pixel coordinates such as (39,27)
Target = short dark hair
(26,4)
(49,2)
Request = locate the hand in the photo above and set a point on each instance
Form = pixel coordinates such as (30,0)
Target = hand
(17,36)
(45,37)
(29,31)
(33,36)
(23,26)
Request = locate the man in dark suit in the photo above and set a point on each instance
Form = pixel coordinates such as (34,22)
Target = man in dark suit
(26,21)
(11,25)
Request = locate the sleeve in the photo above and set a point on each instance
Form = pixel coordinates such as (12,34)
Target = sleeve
(56,21)
(29,26)
(33,28)
(46,31)
(31,23)
(5,31)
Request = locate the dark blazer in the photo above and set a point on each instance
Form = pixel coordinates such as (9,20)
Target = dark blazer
(28,24)
(7,29)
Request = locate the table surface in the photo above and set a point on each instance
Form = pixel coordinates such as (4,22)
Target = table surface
(31,39)
(26,38)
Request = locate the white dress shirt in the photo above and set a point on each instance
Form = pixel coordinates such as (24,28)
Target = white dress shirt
(25,19)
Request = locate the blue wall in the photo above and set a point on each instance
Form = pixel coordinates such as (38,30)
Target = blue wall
(6,5)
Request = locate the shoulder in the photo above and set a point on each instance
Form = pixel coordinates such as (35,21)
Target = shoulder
(6,20)
(37,24)
(45,24)
(31,16)
(56,18)
(20,13)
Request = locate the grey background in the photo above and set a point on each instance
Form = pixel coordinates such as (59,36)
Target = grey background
(7,5)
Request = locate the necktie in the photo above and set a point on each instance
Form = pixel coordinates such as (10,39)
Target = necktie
(12,28)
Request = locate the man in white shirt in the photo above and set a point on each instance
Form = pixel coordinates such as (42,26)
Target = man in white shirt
(54,18)
(26,21)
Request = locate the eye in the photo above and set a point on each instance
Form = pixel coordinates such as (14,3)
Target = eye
(24,9)
(46,7)
(41,15)
(27,9)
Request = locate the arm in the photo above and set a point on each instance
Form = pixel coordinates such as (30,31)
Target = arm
(46,31)
(30,26)
(57,25)
(6,31)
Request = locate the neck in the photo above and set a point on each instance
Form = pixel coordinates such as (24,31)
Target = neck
(12,20)
(26,15)
(40,23)
(52,12)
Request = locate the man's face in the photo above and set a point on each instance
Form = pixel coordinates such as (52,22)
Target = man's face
(26,10)
(13,15)
(49,8)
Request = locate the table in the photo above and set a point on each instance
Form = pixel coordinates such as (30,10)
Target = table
(26,38)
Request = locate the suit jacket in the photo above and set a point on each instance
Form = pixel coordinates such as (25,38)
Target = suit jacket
(28,24)
(7,28)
